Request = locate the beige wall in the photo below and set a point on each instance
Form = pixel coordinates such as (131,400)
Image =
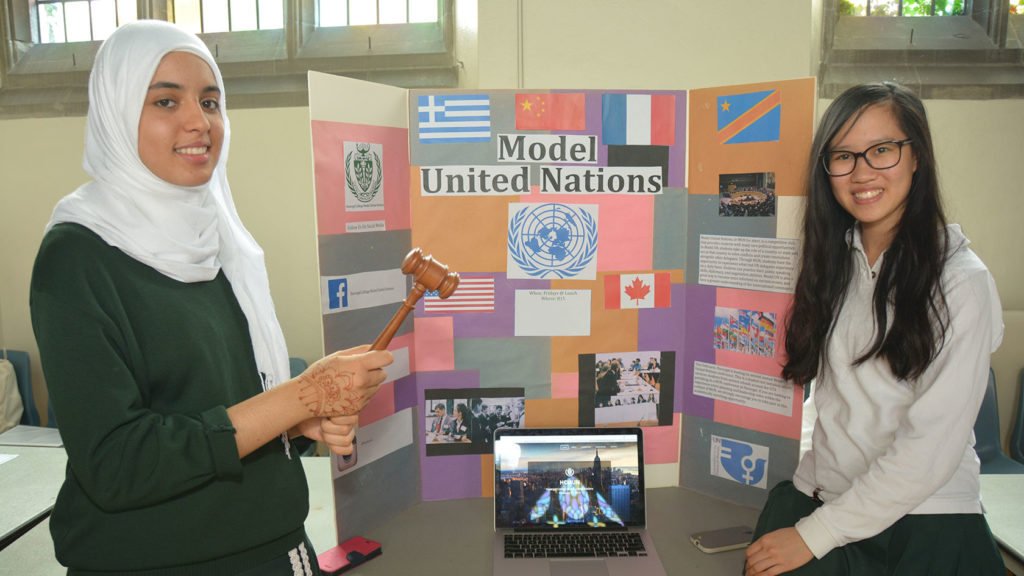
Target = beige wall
(657,44)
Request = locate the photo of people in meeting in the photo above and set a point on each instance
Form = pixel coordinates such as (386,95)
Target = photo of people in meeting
(463,421)
(594,484)
(626,388)
(746,194)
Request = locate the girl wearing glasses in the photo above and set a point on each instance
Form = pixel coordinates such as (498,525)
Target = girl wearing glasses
(893,324)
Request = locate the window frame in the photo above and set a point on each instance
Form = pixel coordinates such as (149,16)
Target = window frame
(939,57)
(261,68)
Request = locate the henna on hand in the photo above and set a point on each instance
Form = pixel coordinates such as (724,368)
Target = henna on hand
(330,392)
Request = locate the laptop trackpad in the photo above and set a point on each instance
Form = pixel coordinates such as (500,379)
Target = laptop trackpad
(578,568)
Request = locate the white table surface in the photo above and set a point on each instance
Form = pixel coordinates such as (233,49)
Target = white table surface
(33,552)
(1003,497)
(29,484)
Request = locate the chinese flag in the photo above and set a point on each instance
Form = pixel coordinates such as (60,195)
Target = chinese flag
(551,112)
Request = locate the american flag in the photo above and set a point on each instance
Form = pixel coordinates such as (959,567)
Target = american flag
(472,295)
(454,118)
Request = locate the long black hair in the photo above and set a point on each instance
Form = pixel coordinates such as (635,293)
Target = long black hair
(908,284)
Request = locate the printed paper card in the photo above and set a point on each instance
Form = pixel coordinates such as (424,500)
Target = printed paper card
(740,462)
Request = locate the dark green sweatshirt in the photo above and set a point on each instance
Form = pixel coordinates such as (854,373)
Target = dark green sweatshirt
(141,369)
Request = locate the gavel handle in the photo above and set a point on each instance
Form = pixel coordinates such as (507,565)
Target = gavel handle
(382,341)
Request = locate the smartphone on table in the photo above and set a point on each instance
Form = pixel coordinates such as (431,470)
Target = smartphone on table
(722,539)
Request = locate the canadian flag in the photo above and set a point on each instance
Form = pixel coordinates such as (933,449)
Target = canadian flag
(622,291)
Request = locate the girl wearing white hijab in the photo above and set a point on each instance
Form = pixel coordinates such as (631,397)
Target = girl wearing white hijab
(164,358)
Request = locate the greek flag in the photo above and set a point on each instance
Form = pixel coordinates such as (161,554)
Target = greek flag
(455,118)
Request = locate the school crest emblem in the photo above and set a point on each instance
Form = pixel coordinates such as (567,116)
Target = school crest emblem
(363,172)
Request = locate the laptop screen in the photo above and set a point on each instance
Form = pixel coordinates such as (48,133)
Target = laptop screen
(576,478)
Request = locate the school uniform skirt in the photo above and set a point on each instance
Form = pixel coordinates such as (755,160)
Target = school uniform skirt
(933,544)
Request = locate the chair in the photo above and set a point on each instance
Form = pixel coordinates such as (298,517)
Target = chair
(1017,436)
(296,366)
(986,434)
(23,373)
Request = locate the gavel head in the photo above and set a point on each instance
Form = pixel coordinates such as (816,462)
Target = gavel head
(430,273)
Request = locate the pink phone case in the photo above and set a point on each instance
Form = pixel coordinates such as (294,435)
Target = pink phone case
(348,554)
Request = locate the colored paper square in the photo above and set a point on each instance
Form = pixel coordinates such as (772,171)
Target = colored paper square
(508,363)
(467,234)
(435,349)
(789,221)
(551,413)
(661,443)
(397,343)
(329,167)
(450,477)
(643,156)
(381,405)
(487,475)
(565,385)
(699,325)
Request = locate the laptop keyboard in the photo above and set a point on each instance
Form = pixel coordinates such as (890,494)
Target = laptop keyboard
(574,545)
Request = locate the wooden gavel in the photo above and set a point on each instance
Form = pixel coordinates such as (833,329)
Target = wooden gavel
(428,274)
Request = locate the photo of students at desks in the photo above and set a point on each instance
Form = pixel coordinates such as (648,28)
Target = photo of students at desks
(473,420)
(627,394)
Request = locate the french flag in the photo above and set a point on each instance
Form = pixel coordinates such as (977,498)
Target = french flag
(638,119)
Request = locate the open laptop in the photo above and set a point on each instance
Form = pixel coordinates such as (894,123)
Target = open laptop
(574,484)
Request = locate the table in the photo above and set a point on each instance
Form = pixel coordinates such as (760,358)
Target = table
(411,541)
(412,544)
(1003,497)
(29,484)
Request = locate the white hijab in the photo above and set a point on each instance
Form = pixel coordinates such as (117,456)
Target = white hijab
(185,233)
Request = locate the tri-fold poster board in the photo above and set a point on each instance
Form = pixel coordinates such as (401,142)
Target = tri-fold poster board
(627,257)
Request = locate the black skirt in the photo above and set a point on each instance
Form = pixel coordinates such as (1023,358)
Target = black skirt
(932,544)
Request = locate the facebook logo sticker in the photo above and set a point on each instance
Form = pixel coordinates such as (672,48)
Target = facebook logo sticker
(739,461)
(337,293)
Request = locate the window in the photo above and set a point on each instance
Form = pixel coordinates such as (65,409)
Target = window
(205,16)
(903,8)
(60,21)
(264,47)
(945,49)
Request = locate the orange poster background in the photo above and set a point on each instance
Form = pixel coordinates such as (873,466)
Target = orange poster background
(787,157)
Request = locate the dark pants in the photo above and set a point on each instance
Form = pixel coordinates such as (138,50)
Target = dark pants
(932,544)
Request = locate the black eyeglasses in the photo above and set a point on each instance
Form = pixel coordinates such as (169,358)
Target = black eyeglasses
(880,157)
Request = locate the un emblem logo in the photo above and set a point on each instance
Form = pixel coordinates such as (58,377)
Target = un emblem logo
(557,240)
(363,172)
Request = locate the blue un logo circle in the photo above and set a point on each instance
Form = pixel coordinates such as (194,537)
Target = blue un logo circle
(555,239)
